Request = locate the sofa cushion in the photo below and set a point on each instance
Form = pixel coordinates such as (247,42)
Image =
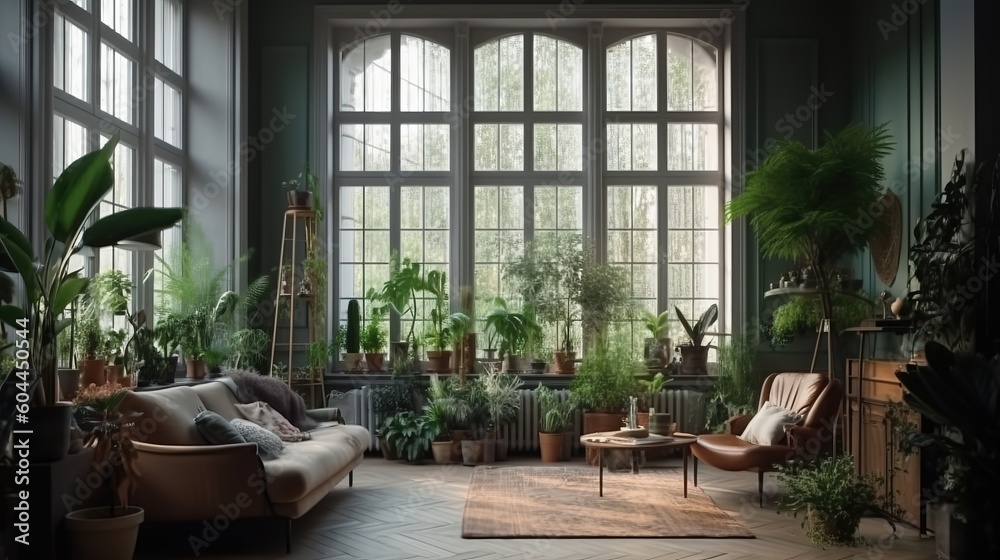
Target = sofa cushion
(263,415)
(305,465)
(269,446)
(216,429)
(167,415)
(219,396)
(767,427)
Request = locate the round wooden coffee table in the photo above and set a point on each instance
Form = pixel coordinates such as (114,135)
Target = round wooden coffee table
(602,443)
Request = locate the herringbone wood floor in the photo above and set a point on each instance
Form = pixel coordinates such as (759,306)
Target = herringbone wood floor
(396,511)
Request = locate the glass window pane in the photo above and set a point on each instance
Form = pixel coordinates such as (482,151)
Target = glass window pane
(364,241)
(558,75)
(632,241)
(558,147)
(631,75)
(69,143)
(692,75)
(498,79)
(631,147)
(424,147)
(692,147)
(117,72)
(117,14)
(169,35)
(499,147)
(425,81)
(85,4)
(167,115)
(499,239)
(72,60)
(366,76)
(166,194)
(364,147)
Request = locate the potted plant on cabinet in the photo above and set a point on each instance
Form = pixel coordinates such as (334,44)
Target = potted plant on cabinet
(502,402)
(352,337)
(832,496)
(108,532)
(603,385)
(553,421)
(515,330)
(373,340)
(90,341)
(444,329)
(658,347)
(694,354)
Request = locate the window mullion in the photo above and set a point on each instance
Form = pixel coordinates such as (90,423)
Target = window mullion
(594,191)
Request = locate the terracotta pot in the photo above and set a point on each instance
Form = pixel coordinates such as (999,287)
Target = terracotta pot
(456,445)
(442,452)
(694,360)
(440,361)
(93,372)
(125,381)
(489,451)
(551,446)
(568,439)
(97,536)
(565,361)
(195,368)
(502,446)
(352,361)
(375,361)
(516,364)
(472,451)
(299,199)
(600,422)
(114,372)
(69,383)
(642,419)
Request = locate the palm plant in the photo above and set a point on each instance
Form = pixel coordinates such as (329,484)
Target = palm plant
(804,204)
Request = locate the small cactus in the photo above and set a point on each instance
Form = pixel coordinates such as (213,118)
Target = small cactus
(353,339)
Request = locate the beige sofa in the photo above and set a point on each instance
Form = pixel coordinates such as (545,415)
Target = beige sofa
(182,478)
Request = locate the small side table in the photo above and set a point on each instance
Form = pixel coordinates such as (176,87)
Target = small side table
(602,443)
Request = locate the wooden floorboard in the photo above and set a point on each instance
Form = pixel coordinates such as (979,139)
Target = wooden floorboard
(397,511)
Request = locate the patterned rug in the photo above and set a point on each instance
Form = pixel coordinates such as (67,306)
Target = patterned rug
(562,502)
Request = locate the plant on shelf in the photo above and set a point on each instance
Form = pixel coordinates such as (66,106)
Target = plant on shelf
(373,341)
(832,496)
(515,329)
(694,354)
(736,390)
(658,347)
(399,295)
(960,393)
(802,315)
(804,204)
(444,329)
(554,419)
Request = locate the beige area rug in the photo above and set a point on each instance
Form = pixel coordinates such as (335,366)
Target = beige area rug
(562,502)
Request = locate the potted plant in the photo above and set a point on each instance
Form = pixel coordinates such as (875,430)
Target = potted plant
(444,329)
(114,356)
(736,389)
(437,417)
(553,422)
(409,435)
(248,348)
(108,532)
(90,341)
(452,397)
(387,400)
(802,315)
(804,205)
(515,330)
(301,190)
(503,400)
(146,359)
(832,496)
(194,337)
(373,341)
(51,284)
(352,337)
(603,386)
(694,354)
(112,291)
(958,394)
(399,295)
(476,420)
(167,334)
(658,347)
(10,185)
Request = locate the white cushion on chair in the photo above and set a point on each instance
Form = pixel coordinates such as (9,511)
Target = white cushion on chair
(767,427)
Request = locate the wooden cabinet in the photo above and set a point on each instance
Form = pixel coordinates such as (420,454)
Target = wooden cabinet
(872,439)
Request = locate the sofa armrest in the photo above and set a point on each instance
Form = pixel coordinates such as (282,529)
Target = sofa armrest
(325,415)
(737,424)
(176,483)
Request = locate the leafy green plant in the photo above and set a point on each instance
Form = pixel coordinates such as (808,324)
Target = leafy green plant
(111,291)
(606,379)
(502,397)
(451,396)
(804,204)
(802,315)
(696,332)
(113,346)
(410,435)
(832,495)
(438,419)
(373,335)
(554,417)
(737,388)
(514,329)
(960,393)
(444,329)
(656,324)
(89,337)
(50,284)
(249,347)
(399,293)
(648,389)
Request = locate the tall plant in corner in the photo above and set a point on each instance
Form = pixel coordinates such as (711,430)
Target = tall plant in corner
(808,206)
(49,283)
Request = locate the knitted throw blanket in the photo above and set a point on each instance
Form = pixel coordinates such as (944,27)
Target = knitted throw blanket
(252,387)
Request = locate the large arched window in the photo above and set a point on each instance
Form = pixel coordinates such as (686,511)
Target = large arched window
(393,177)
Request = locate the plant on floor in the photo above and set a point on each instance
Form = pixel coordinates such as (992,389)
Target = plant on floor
(401,394)
(606,379)
(554,417)
(449,395)
(503,399)
(409,435)
(961,394)
(112,433)
(736,389)
(438,418)
(831,495)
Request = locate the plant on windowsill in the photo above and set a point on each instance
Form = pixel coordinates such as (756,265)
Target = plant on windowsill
(515,330)
(90,343)
(694,354)
(373,341)
(108,531)
(444,329)
(111,291)
(658,346)
(113,351)
(194,337)
(399,295)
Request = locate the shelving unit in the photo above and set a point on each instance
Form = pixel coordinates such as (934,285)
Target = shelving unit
(298,221)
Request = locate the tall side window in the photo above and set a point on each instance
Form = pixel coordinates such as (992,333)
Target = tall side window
(393,177)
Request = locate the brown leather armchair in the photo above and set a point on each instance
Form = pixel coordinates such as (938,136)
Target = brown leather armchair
(814,395)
